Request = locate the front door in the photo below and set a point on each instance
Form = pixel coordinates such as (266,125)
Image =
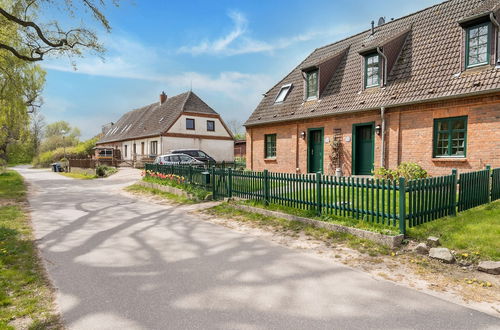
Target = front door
(363,149)
(315,150)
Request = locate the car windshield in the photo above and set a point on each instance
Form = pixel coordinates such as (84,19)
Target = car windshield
(202,154)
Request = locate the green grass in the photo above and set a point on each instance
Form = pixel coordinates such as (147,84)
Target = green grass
(25,293)
(474,232)
(349,222)
(11,185)
(150,191)
(294,228)
(81,176)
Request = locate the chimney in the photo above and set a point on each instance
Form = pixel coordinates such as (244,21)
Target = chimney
(163,97)
(373,27)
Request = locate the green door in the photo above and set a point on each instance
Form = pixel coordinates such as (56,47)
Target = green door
(363,149)
(315,150)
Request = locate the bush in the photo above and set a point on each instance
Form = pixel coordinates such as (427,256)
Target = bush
(100,171)
(409,171)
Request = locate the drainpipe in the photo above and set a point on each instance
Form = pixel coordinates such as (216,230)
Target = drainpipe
(495,22)
(379,51)
(382,150)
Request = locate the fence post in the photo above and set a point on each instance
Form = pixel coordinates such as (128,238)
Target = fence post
(402,206)
(230,183)
(212,181)
(318,193)
(190,171)
(266,187)
(488,191)
(453,195)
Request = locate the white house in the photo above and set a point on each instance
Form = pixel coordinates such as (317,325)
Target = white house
(180,122)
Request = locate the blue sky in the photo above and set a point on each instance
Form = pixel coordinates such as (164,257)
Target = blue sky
(230,51)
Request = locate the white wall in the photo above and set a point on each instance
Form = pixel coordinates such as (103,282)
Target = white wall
(147,147)
(200,126)
(220,150)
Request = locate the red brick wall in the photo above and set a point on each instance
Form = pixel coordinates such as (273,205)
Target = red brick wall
(409,137)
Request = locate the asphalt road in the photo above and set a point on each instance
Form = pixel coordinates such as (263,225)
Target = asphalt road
(121,263)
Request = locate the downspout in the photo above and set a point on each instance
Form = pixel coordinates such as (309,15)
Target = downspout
(379,51)
(495,22)
(382,150)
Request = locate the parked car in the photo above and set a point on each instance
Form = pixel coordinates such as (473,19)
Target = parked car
(174,159)
(197,154)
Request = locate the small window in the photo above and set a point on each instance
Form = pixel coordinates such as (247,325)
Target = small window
(372,70)
(283,93)
(175,159)
(450,137)
(134,148)
(210,125)
(142,148)
(312,84)
(477,45)
(189,123)
(154,148)
(270,146)
(125,150)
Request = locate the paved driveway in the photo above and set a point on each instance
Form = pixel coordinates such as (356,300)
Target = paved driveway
(120,263)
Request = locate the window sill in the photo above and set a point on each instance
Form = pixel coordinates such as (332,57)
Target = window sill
(449,159)
(270,160)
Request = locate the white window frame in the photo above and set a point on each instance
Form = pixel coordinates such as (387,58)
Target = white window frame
(288,87)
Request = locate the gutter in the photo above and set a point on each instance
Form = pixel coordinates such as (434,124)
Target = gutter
(436,99)
(379,51)
(495,22)
(382,150)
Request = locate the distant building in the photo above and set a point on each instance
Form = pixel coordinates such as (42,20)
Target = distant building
(179,122)
(240,148)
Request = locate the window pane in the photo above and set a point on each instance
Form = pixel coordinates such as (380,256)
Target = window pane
(282,94)
(372,70)
(312,83)
(443,125)
(189,123)
(459,124)
(210,125)
(478,45)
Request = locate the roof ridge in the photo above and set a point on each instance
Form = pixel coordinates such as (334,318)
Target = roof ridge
(385,24)
(188,94)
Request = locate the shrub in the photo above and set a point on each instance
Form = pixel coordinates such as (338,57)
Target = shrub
(100,171)
(409,171)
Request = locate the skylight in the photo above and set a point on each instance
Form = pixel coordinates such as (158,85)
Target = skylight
(283,93)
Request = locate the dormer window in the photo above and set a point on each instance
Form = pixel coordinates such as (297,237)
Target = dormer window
(477,45)
(372,70)
(283,93)
(312,85)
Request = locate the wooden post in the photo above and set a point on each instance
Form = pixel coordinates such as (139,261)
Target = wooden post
(212,181)
(266,187)
(230,183)
(318,193)
(402,206)
(453,195)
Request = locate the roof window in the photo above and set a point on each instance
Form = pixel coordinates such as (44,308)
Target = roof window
(283,93)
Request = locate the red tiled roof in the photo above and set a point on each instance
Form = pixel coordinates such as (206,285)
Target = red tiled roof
(428,65)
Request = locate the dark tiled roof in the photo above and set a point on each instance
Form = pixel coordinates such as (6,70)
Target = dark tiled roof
(428,67)
(155,119)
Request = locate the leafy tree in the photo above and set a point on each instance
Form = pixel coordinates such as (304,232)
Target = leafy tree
(58,135)
(40,36)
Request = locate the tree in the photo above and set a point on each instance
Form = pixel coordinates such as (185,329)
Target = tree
(40,36)
(59,134)
(236,126)
(37,128)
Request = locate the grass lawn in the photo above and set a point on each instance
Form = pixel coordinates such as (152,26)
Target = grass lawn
(345,221)
(26,300)
(135,188)
(475,232)
(82,176)
(225,210)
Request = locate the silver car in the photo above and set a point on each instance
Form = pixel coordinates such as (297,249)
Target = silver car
(176,159)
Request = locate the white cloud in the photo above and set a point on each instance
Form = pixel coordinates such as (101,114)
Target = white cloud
(238,42)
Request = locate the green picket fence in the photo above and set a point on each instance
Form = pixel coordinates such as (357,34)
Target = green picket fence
(495,184)
(474,189)
(367,199)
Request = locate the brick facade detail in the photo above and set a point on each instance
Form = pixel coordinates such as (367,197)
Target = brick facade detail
(408,137)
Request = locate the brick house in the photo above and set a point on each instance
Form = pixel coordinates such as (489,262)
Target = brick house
(423,88)
(183,121)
